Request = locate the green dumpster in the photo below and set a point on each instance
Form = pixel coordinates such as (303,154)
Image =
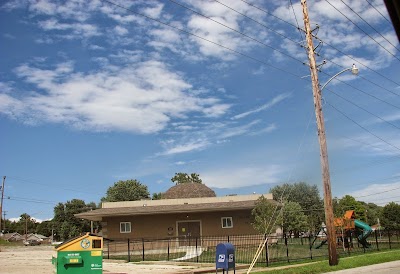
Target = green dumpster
(82,254)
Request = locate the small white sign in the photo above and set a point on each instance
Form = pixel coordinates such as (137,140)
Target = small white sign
(221,258)
(231,258)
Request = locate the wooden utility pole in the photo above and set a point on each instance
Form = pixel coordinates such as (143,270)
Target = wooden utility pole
(330,227)
(1,202)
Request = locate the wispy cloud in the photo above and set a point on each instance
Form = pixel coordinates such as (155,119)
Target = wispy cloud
(266,106)
(232,177)
(174,147)
(379,194)
(140,98)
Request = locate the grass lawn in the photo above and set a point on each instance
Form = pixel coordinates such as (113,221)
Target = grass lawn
(344,263)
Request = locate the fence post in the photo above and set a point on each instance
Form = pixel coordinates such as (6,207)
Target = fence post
(129,251)
(309,242)
(168,251)
(266,250)
(108,250)
(197,255)
(287,248)
(228,238)
(376,241)
(390,244)
(143,249)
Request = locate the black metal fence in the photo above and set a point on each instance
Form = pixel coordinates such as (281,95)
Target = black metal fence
(278,249)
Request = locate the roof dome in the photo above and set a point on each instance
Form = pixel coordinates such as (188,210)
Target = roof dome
(188,190)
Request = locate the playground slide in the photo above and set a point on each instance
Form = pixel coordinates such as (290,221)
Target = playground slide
(366,231)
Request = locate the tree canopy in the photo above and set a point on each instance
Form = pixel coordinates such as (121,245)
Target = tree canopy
(129,190)
(263,215)
(391,216)
(65,225)
(294,220)
(182,178)
(348,202)
(307,196)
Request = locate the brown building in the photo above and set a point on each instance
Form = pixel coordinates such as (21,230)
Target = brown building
(184,217)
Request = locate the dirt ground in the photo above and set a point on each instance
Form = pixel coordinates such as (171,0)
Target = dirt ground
(37,260)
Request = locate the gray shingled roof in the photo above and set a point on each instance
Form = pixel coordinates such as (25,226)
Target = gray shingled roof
(98,214)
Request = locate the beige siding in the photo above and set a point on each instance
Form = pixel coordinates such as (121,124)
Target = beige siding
(157,226)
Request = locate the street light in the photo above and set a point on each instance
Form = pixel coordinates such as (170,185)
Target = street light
(353,69)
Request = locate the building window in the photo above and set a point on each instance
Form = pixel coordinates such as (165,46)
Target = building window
(125,227)
(226,222)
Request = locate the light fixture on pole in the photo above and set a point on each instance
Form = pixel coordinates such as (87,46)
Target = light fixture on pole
(354,71)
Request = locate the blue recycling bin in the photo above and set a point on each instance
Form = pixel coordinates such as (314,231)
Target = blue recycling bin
(225,257)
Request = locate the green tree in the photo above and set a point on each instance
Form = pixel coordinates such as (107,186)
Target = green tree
(65,225)
(44,228)
(263,215)
(156,196)
(293,219)
(182,178)
(348,202)
(307,196)
(373,212)
(391,216)
(130,190)
(26,224)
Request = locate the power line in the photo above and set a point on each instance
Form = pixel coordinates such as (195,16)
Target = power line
(332,46)
(345,115)
(378,11)
(369,25)
(31,200)
(295,17)
(239,32)
(260,41)
(364,92)
(360,107)
(202,38)
(363,31)
(260,23)
(376,193)
(52,186)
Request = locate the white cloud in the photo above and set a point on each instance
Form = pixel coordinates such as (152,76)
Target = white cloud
(120,30)
(379,194)
(232,177)
(172,147)
(153,12)
(268,105)
(140,98)
(78,29)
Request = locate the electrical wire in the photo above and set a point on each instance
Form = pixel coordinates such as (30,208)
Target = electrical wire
(202,38)
(376,193)
(378,12)
(359,16)
(239,32)
(379,44)
(362,127)
(332,46)
(360,107)
(364,92)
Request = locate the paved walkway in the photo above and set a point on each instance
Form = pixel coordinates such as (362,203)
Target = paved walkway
(384,268)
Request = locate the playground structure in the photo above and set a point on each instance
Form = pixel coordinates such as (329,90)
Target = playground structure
(346,228)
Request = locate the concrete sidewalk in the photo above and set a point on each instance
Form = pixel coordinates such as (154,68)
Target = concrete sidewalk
(383,268)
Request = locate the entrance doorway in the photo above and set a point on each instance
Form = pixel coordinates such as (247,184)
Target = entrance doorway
(188,232)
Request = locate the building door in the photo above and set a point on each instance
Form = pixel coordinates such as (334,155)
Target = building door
(188,232)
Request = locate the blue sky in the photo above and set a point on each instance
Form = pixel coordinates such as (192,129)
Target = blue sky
(92,92)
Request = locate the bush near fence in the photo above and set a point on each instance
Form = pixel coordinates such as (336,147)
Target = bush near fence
(279,248)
